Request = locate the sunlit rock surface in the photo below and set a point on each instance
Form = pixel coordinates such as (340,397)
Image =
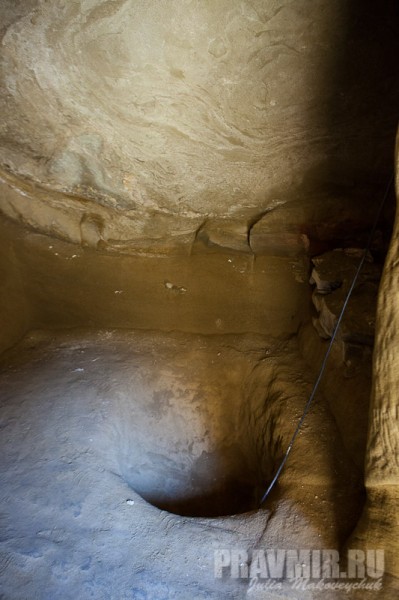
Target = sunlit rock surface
(154,118)
(380,522)
(174,166)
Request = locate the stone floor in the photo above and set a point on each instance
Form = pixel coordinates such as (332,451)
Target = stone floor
(96,423)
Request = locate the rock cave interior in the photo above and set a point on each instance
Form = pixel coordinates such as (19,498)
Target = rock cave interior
(187,188)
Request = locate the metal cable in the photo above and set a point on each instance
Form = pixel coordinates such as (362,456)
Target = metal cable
(328,352)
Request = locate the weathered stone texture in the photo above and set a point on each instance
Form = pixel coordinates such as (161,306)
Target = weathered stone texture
(379,525)
(159,116)
(383,449)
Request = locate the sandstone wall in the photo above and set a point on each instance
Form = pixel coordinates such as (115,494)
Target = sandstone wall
(71,286)
(150,122)
(15,313)
(383,449)
(379,525)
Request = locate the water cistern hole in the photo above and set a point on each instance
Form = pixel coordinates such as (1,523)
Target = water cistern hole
(183,437)
(178,464)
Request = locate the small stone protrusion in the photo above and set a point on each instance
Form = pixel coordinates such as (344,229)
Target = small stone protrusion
(333,274)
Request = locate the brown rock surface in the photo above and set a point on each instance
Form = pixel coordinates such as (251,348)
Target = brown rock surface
(380,521)
(137,122)
(168,170)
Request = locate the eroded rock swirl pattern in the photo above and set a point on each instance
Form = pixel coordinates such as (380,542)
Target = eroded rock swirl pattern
(166,114)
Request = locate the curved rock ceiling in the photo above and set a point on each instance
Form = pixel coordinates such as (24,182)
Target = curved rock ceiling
(145,119)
